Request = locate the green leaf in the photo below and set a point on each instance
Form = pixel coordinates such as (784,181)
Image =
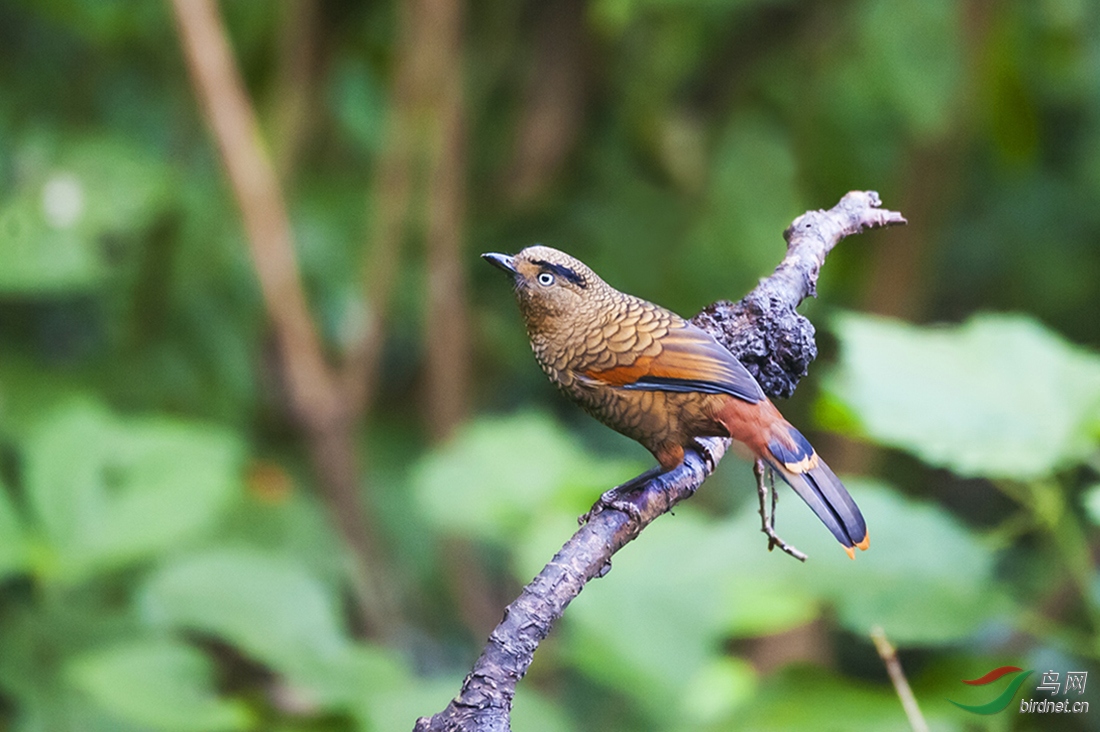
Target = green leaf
(268,607)
(359,103)
(273,611)
(811,699)
(911,52)
(126,186)
(719,690)
(925,579)
(650,626)
(532,712)
(38,258)
(106,23)
(71,199)
(13,544)
(752,196)
(499,473)
(613,16)
(29,393)
(160,683)
(690,583)
(107,490)
(1092,503)
(397,706)
(928,580)
(999,396)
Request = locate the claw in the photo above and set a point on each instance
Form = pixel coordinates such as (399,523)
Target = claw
(614,498)
(704,448)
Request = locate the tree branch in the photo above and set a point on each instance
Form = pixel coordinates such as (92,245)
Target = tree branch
(425,138)
(761,329)
(297,71)
(554,100)
(236,132)
(391,199)
(316,395)
(889,656)
(446,329)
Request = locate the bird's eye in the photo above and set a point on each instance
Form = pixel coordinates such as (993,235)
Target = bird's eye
(546,279)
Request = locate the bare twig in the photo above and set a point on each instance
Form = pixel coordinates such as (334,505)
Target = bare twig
(889,656)
(764,319)
(425,134)
(763,329)
(767,519)
(296,87)
(390,197)
(554,100)
(446,330)
(391,194)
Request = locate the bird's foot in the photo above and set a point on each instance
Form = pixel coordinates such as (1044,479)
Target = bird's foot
(767,518)
(611,499)
(706,449)
(616,498)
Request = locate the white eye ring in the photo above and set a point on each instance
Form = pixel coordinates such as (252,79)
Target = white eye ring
(546,279)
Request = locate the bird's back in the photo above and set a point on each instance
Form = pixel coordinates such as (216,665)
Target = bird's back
(609,330)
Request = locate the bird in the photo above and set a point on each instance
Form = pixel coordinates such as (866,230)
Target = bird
(651,375)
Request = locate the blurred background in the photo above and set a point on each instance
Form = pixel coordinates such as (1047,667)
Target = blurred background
(274,453)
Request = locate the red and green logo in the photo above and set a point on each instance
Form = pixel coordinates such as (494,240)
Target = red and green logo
(1004,698)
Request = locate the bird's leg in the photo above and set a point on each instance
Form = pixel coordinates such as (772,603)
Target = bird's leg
(705,449)
(767,520)
(614,498)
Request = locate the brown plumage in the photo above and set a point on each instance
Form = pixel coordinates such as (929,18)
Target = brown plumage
(651,375)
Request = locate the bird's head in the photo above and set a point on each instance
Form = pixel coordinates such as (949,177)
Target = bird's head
(550,284)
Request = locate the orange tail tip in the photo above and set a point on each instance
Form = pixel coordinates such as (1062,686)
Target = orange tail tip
(829,500)
(862,545)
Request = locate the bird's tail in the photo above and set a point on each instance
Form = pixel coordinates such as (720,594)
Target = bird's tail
(763,430)
(828,498)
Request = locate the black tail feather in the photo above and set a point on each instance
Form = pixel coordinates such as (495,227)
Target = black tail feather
(829,499)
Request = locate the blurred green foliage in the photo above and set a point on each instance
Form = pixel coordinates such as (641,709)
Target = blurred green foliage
(166,563)
(978,375)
